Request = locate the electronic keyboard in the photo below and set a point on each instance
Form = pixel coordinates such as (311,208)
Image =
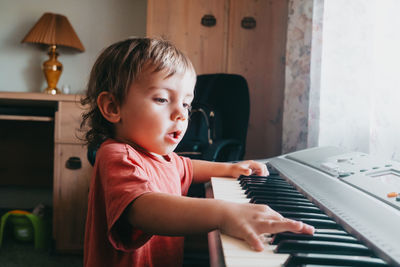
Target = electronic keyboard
(351,198)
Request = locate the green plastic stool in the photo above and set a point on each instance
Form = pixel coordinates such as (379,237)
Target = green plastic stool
(26,226)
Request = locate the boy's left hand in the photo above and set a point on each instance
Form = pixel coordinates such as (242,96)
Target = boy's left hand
(249,167)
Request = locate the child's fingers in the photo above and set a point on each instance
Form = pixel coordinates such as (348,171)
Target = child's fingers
(257,168)
(275,226)
(252,167)
(246,170)
(274,222)
(260,170)
(287,225)
(307,229)
(270,213)
(254,241)
(242,169)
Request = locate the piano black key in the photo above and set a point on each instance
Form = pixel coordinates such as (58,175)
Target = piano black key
(273,198)
(289,202)
(298,208)
(316,237)
(261,193)
(255,178)
(246,185)
(270,178)
(295,214)
(277,195)
(303,259)
(331,232)
(267,188)
(245,181)
(318,223)
(273,183)
(272,171)
(242,177)
(325,247)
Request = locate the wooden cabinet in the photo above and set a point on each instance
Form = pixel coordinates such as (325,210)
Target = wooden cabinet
(179,21)
(71,178)
(70,197)
(55,155)
(232,45)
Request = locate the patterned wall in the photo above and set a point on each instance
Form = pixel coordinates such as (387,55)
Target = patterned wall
(297,75)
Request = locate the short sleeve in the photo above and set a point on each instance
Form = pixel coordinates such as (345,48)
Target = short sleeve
(123,181)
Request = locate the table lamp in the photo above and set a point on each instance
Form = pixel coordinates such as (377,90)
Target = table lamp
(53,29)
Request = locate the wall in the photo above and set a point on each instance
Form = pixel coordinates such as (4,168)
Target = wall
(302,75)
(98,23)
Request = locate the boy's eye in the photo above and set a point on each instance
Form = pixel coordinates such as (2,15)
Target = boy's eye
(161,100)
(187,106)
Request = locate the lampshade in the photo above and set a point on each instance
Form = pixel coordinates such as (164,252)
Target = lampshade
(54,29)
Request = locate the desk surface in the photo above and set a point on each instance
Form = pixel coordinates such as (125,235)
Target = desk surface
(27,96)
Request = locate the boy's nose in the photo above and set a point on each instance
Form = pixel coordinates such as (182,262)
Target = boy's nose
(180,113)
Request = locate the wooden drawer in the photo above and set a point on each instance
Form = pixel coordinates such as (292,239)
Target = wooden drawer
(67,123)
(72,173)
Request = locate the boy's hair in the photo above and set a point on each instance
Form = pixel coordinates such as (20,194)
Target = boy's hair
(117,67)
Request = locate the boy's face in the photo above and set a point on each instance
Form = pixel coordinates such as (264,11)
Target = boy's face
(155,112)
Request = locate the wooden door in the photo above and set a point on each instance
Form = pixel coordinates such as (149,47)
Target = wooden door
(180,22)
(259,55)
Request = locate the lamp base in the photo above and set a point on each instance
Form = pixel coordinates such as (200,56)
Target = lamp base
(52,69)
(52,91)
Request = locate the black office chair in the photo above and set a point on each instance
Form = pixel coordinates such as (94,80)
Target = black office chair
(217,132)
(91,155)
(219,119)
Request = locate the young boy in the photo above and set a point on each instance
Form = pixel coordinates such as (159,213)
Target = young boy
(139,95)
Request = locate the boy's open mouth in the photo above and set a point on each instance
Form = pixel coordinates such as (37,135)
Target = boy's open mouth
(175,134)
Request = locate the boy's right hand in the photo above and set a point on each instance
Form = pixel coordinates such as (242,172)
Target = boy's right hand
(249,221)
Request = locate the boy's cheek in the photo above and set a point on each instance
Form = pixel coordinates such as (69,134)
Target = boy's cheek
(185,127)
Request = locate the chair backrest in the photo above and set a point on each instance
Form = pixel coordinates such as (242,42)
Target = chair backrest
(226,97)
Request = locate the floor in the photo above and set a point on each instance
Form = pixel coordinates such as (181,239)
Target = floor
(14,253)
(17,254)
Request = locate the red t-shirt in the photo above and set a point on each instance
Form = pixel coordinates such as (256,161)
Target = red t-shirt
(120,175)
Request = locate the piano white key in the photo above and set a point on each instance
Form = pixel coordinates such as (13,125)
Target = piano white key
(237,252)
(228,189)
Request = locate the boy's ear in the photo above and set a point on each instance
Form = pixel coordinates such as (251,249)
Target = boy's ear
(108,107)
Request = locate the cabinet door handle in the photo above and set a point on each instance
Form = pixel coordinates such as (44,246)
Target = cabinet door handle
(73,163)
(208,20)
(248,23)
